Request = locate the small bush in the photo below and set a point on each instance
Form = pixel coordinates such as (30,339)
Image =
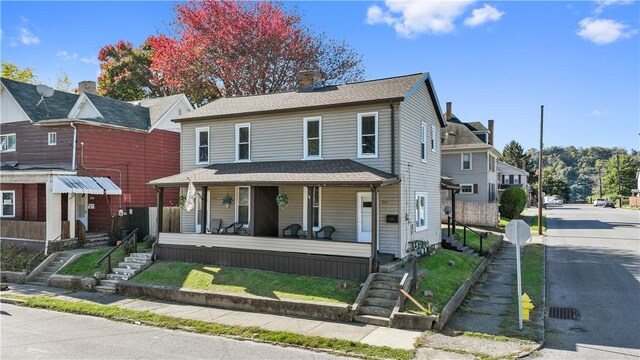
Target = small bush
(512,202)
(14,258)
(148,241)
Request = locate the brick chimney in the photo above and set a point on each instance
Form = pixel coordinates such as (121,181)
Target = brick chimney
(307,79)
(88,87)
(447,115)
(491,132)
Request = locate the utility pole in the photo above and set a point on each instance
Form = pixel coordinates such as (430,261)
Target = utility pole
(600,177)
(540,173)
(618,168)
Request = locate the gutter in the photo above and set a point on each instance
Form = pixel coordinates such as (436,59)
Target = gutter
(393,139)
(75,144)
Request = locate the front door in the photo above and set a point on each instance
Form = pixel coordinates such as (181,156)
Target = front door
(198,214)
(364,217)
(82,213)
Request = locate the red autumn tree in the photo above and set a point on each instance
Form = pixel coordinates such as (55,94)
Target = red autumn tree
(238,48)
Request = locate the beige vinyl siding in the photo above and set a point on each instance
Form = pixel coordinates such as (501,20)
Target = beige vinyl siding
(389,203)
(218,210)
(416,175)
(280,137)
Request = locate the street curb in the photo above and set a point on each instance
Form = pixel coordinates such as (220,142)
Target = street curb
(11,301)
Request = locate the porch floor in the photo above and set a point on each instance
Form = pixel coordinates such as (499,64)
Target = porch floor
(384,258)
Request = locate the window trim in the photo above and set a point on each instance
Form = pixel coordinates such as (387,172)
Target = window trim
(423,143)
(433,138)
(237,142)
(13,203)
(55,138)
(15,142)
(237,202)
(198,131)
(305,138)
(377,135)
(466,192)
(305,193)
(425,195)
(470,161)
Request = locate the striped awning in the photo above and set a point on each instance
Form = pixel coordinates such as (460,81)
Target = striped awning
(85,185)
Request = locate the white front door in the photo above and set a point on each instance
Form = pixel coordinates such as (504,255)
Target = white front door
(364,217)
(82,213)
(198,212)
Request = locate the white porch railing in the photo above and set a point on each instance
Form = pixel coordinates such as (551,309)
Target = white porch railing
(301,246)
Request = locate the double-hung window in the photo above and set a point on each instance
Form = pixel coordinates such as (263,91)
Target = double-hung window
(313,138)
(433,138)
(8,203)
(421,211)
(423,143)
(52,138)
(466,188)
(8,142)
(243,142)
(492,163)
(242,205)
(317,210)
(202,145)
(465,160)
(368,135)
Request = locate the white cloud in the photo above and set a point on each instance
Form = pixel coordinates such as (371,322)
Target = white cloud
(602,4)
(596,113)
(27,37)
(65,55)
(603,31)
(412,17)
(483,15)
(89,60)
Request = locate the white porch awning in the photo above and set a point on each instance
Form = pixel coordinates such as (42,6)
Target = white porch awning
(84,185)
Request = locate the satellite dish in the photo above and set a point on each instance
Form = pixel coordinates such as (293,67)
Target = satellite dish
(44,91)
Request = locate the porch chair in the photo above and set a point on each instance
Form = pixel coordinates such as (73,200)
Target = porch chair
(236,227)
(216,226)
(326,232)
(293,230)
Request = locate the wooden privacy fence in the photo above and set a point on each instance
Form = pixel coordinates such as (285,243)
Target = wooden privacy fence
(634,201)
(34,230)
(170,220)
(473,213)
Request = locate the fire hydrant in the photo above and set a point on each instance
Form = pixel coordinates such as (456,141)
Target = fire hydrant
(526,306)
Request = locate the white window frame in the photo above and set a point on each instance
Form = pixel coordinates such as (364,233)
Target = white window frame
(306,138)
(470,161)
(425,213)
(304,209)
(52,136)
(423,143)
(462,192)
(237,142)
(237,202)
(15,142)
(198,131)
(433,138)
(13,203)
(377,135)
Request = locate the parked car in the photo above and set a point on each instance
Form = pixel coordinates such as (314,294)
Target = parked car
(599,202)
(609,203)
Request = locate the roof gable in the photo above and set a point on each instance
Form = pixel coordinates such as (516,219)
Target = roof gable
(57,106)
(120,113)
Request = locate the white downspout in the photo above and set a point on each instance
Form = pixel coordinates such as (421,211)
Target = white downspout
(75,140)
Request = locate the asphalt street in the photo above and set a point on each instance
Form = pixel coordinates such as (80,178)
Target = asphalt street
(593,265)
(40,334)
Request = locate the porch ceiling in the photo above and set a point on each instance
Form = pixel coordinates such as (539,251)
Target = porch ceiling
(306,172)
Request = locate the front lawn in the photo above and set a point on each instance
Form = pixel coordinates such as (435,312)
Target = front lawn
(533,222)
(442,279)
(247,281)
(86,265)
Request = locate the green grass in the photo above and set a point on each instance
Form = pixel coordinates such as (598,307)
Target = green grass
(503,222)
(473,240)
(246,281)
(533,222)
(442,279)
(86,265)
(252,333)
(533,285)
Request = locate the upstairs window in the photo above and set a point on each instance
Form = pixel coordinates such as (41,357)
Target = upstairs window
(52,138)
(492,163)
(8,142)
(465,160)
(202,145)
(368,135)
(423,143)
(433,138)
(313,138)
(243,142)
(8,203)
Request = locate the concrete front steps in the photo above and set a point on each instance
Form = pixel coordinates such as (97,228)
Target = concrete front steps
(41,277)
(94,240)
(454,244)
(379,300)
(130,267)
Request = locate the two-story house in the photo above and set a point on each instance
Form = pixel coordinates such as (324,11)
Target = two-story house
(511,176)
(80,159)
(359,164)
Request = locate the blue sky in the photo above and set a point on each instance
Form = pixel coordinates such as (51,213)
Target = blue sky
(494,60)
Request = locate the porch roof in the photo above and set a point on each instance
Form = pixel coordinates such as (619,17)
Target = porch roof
(85,185)
(302,172)
(446,183)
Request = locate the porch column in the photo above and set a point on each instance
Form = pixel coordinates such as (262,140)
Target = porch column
(205,201)
(453,211)
(53,227)
(71,214)
(374,228)
(160,201)
(310,196)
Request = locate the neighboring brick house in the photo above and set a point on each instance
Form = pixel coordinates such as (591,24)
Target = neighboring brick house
(362,159)
(83,157)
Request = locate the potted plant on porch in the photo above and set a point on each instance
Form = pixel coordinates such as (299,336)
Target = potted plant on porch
(227,200)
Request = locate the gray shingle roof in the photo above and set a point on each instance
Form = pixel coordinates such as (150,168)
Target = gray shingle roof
(360,92)
(307,172)
(458,134)
(476,126)
(157,106)
(120,113)
(59,105)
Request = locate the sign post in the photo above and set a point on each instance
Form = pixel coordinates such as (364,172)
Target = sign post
(518,232)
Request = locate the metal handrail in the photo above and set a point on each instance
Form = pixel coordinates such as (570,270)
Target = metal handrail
(465,228)
(125,240)
(45,250)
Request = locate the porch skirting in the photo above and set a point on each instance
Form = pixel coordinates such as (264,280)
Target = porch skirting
(339,267)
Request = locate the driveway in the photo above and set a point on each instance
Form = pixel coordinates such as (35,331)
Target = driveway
(593,265)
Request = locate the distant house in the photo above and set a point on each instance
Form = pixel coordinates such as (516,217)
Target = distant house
(81,158)
(510,176)
(359,164)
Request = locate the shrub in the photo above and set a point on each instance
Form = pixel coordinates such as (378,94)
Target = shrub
(512,202)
